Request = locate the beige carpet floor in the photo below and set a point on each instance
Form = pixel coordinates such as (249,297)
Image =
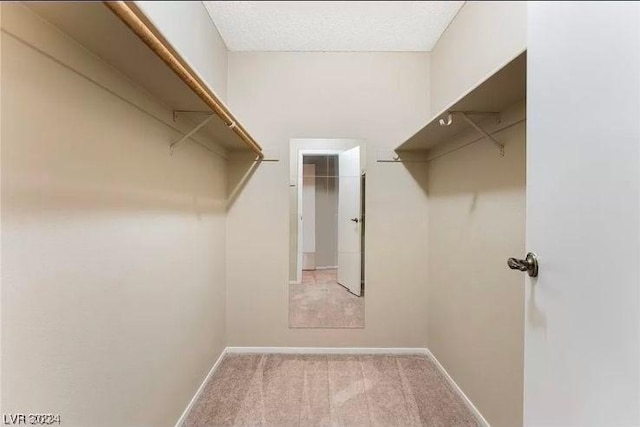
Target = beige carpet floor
(320,302)
(328,390)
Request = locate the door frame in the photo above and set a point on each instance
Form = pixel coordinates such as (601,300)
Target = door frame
(305,144)
(301,154)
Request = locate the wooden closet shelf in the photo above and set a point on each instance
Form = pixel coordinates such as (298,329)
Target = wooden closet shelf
(120,34)
(499,91)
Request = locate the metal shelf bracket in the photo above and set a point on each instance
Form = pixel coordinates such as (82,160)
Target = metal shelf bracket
(465,116)
(188,135)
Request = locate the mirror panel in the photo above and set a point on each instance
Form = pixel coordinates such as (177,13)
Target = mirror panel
(326,265)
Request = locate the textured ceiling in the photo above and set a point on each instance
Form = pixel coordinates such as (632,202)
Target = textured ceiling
(331,25)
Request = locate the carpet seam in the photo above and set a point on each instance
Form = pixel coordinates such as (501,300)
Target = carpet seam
(331,418)
(304,389)
(364,387)
(408,394)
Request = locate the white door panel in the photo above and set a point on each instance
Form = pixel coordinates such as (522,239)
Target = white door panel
(308,217)
(350,220)
(349,271)
(349,209)
(582,357)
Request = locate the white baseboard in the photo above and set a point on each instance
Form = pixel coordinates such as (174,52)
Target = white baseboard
(328,267)
(325,350)
(200,389)
(337,350)
(294,282)
(469,404)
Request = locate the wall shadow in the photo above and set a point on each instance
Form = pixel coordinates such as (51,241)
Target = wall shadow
(240,168)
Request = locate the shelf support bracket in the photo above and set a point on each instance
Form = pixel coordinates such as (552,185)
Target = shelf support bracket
(173,145)
(466,118)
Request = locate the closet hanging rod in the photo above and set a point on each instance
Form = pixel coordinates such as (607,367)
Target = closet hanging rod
(122,10)
(475,141)
(112,92)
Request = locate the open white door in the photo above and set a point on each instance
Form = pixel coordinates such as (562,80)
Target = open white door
(308,217)
(582,357)
(349,221)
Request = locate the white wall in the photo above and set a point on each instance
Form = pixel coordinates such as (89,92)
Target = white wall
(190,30)
(113,261)
(379,97)
(483,36)
(477,221)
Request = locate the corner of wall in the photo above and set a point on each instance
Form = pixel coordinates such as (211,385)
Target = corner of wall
(483,36)
(209,56)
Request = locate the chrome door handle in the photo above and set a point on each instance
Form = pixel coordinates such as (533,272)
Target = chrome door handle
(355,220)
(529,264)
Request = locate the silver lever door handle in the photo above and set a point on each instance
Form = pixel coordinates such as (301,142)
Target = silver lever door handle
(529,264)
